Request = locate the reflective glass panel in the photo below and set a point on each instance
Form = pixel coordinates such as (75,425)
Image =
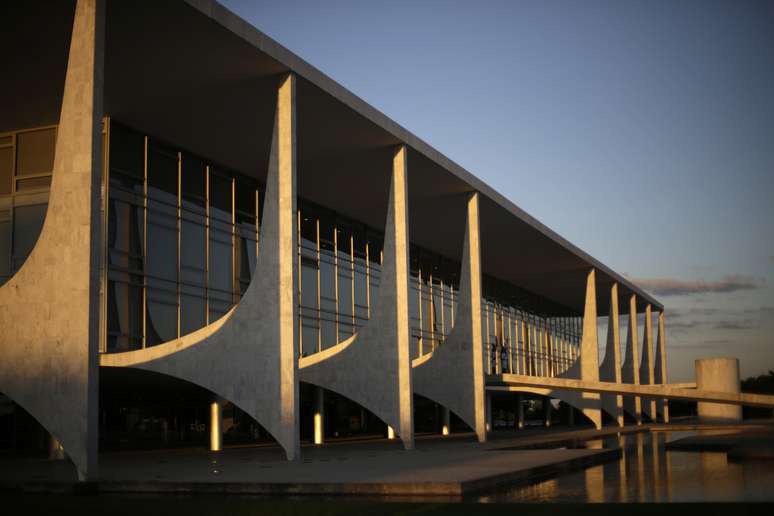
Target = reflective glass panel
(35,152)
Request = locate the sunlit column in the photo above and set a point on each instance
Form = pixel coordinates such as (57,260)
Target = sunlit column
(390,433)
(589,358)
(646,367)
(522,348)
(400,258)
(446,420)
(660,374)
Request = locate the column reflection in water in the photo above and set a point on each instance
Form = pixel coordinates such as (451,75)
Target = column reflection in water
(623,491)
(594,476)
(668,469)
(654,451)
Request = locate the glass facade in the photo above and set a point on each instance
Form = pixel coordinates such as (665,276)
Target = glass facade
(182,239)
(433,298)
(339,266)
(26,164)
(526,334)
(181,242)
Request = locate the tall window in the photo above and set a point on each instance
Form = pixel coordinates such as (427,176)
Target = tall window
(524,333)
(434,288)
(338,276)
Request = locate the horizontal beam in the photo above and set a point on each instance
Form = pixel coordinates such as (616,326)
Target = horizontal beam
(512,382)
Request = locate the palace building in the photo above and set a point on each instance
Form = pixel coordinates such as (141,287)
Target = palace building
(203,237)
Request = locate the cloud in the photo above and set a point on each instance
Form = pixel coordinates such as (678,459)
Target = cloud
(741,324)
(678,287)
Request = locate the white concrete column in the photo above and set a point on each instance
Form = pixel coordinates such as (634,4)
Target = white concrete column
(646,367)
(523,348)
(446,421)
(401,261)
(390,433)
(49,309)
(284,262)
(660,374)
(319,415)
(519,411)
(610,370)
(630,371)
(589,352)
(216,426)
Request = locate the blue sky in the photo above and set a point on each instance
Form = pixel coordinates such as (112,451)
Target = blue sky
(641,131)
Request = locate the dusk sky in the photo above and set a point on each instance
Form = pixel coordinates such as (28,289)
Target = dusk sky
(643,132)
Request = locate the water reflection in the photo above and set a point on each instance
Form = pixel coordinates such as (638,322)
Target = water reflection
(647,472)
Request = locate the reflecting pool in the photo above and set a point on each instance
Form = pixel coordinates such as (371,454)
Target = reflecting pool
(647,472)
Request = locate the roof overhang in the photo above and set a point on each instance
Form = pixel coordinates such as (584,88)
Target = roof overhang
(194,73)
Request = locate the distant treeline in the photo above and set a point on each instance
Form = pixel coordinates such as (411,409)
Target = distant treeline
(763,384)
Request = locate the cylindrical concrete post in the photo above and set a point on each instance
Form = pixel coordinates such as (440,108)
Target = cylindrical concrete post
(216,426)
(446,421)
(519,411)
(718,375)
(390,432)
(319,415)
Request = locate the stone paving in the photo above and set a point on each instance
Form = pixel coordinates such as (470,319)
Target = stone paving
(436,466)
